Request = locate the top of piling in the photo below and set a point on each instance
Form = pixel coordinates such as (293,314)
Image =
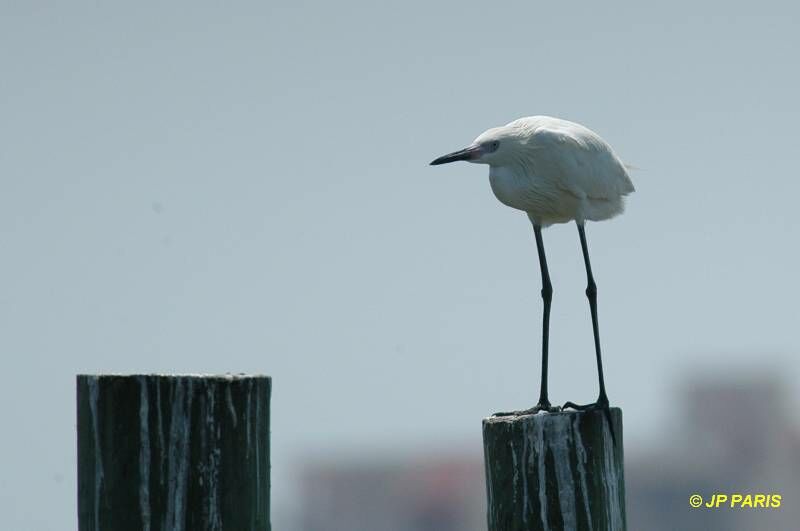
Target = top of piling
(227,377)
(540,416)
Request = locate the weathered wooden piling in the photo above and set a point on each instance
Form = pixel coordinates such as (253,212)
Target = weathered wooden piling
(555,471)
(173,453)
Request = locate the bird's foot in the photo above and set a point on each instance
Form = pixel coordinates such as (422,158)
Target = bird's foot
(541,406)
(601,404)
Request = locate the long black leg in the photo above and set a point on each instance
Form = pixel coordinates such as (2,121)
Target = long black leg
(591,294)
(547,297)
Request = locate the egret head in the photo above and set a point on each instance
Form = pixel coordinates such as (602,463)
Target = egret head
(492,147)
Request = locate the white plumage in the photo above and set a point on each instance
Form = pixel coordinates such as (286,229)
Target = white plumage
(553,169)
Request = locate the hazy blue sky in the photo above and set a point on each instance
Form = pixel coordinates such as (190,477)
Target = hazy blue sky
(245,188)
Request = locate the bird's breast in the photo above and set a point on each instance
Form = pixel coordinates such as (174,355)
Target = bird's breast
(536,195)
(510,188)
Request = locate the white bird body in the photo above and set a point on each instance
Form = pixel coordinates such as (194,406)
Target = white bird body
(553,169)
(556,171)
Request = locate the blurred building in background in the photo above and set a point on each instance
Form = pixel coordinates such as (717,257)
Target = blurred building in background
(419,494)
(739,436)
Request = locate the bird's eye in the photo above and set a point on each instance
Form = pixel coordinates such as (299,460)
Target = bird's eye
(493,146)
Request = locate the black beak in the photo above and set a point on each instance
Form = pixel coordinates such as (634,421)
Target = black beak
(470,153)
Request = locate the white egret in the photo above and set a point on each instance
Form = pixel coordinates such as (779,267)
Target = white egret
(556,171)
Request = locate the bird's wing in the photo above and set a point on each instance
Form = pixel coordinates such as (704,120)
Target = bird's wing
(579,162)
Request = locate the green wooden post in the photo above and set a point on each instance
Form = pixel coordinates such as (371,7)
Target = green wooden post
(555,471)
(173,453)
